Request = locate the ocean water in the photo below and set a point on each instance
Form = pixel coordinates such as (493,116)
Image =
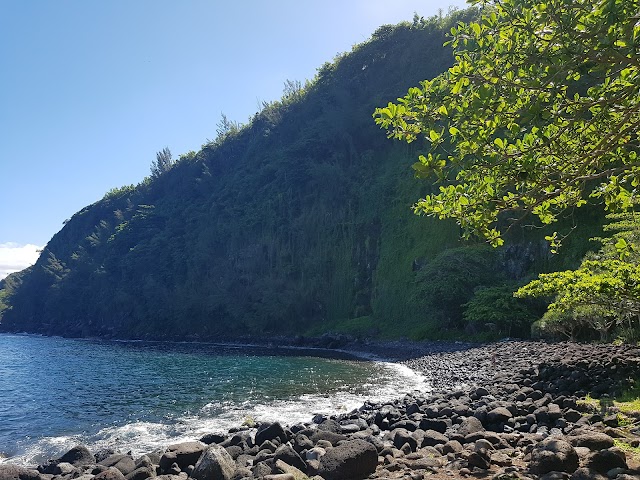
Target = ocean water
(142,396)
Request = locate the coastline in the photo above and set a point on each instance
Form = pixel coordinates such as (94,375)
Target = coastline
(508,408)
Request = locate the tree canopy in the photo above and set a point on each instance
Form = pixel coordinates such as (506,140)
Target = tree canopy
(539,112)
(603,294)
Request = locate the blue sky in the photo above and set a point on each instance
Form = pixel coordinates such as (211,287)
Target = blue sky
(90,90)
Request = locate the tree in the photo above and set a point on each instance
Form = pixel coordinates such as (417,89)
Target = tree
(603,294)
(539,112)
(163,163)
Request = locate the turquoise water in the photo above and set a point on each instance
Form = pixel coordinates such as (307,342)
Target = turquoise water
(139,396)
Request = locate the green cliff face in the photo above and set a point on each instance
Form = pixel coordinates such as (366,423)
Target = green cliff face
(299,222)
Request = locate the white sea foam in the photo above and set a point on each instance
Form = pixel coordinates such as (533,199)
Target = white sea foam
(143,437)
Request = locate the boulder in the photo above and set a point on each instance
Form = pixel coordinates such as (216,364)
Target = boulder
(498,415)
(110,473)
(402,436)
(288,455)
(141,473)
(296,473)
(64,468)
(210,438)
(592,440)
(470,425)
(124,463)
(78,456)
(553,454)
(183,454)
(352,459)
(270,431)
(479,460)
(606,460)
(13,472)
(437,424)
(332,438)
(452,446)
(431,438)
(587,474)
(215,463)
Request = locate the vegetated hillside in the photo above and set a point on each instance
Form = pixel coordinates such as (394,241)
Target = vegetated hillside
(299,222)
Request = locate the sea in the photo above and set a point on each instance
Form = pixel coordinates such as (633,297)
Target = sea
(140,397)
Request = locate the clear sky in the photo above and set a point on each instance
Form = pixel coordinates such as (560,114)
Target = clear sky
(90,90)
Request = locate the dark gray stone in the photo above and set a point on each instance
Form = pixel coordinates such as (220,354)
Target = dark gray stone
(288,455)
(553,454)
(592,440)
(110,473)
(587,474)
(124,463)
(210,438)
(470,425)
(271,432)
(215,463)
(498,415)
(431,438)
(606,460)
(78,456)
(141,473)
(14,472)
(402,437)
(353,459)
(437,424)
(183,454)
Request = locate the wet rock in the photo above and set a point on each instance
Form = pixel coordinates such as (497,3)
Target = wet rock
(215,463)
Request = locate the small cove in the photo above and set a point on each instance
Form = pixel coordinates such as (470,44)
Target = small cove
(142,396)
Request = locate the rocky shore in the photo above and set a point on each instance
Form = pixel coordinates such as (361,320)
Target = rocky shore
(517,412)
